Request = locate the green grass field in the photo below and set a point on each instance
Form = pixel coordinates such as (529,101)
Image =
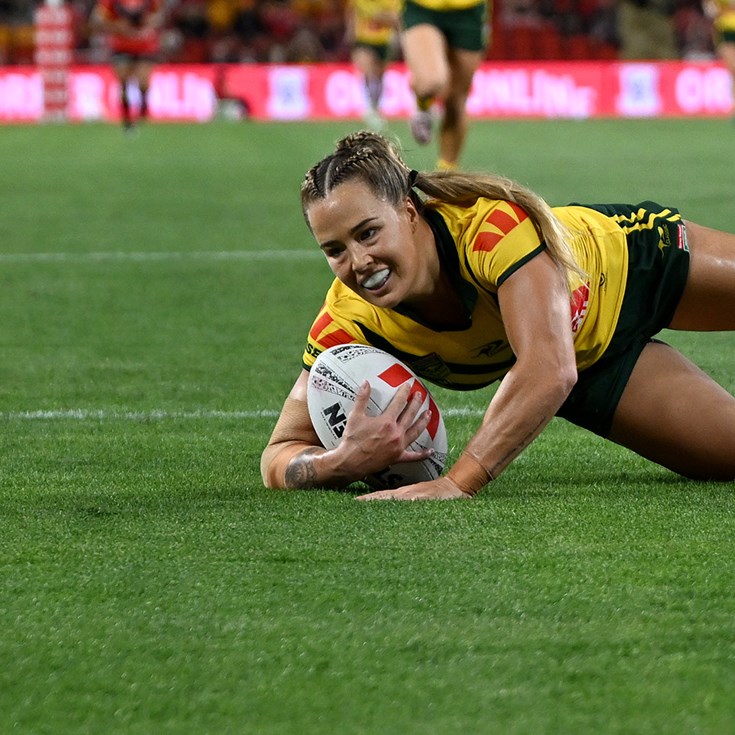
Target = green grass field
(155,293)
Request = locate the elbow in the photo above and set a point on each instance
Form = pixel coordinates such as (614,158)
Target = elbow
(273,467)
(566,378)
(266,474)
(558,376)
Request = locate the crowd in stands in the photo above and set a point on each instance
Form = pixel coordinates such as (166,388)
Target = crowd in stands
(283,31)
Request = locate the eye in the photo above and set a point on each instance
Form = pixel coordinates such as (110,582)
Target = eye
(332,251)
(368,233)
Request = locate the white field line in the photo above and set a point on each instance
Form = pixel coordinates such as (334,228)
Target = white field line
(89,414)
(121,255)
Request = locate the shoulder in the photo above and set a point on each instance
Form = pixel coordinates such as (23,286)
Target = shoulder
(337,321)
(493,237)
(481,226)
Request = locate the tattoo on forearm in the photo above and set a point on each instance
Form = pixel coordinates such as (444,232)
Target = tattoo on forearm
(300,472)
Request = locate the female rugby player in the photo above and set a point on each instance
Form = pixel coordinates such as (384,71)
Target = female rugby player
(478,279)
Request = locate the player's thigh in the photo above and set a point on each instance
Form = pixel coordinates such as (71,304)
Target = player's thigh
(708,301)
(425,53)
(673,413)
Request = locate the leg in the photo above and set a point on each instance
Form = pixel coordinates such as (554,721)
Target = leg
(123,69)
(674,414)
(726,52)
(463,65)
(143,71)
(708,302)
(425,53)
(371,67)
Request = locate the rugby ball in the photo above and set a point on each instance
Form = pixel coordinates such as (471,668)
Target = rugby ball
(333,382)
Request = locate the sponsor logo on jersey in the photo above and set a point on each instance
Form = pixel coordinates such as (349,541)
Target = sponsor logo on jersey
(579,303)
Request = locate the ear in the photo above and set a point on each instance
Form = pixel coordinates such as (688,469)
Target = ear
(413,213)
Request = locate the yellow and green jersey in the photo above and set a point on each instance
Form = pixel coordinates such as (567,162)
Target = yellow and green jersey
(447,5)
(725,19)
(370,16)
(480,246)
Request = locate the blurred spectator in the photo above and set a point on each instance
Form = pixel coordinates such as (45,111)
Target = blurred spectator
(191,29)
(646,29)
(694,32)
(16,31)
(249,31)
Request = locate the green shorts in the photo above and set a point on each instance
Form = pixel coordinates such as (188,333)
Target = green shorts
(724,37)
(658,265)
(464,29)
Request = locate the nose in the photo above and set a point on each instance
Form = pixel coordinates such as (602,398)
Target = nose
(360,258)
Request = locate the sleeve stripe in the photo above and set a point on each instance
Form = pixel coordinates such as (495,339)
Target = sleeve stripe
(338,337)
(508,273)
(320,325)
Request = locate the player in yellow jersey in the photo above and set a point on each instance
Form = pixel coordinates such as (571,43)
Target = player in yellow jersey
(722,13)
(476,279)
(372,26)
(443,43)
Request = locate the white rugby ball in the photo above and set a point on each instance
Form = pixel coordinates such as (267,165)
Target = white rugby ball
(333,382)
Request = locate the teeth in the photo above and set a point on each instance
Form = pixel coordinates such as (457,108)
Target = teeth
(376,279)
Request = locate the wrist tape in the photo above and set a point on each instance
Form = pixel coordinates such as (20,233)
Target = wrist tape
(469,474)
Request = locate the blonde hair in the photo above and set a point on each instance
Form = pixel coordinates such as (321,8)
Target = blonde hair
(377,162)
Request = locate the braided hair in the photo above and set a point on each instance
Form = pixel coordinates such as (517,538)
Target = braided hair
(365,156)
(377,162)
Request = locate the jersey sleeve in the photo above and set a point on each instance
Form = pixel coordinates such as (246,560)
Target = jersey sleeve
(329,330)
(504,240)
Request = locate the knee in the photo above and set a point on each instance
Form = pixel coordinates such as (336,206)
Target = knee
(434,85)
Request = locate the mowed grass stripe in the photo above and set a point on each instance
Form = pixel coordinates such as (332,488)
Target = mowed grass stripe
(104,255)
(91,414)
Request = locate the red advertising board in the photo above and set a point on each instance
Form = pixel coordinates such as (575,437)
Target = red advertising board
(333,91)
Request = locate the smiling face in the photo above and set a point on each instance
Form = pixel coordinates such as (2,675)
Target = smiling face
(374,248)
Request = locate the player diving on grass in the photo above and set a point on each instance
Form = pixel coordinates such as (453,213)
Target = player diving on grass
(472,278)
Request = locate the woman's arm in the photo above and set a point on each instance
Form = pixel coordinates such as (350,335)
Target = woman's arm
(534,303)
(294,457)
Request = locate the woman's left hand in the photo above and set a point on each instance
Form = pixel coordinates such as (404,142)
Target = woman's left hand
(440,489)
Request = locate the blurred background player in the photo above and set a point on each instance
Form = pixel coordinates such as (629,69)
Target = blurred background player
(371,29)
(443,43)
(722,13)
(133,28)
